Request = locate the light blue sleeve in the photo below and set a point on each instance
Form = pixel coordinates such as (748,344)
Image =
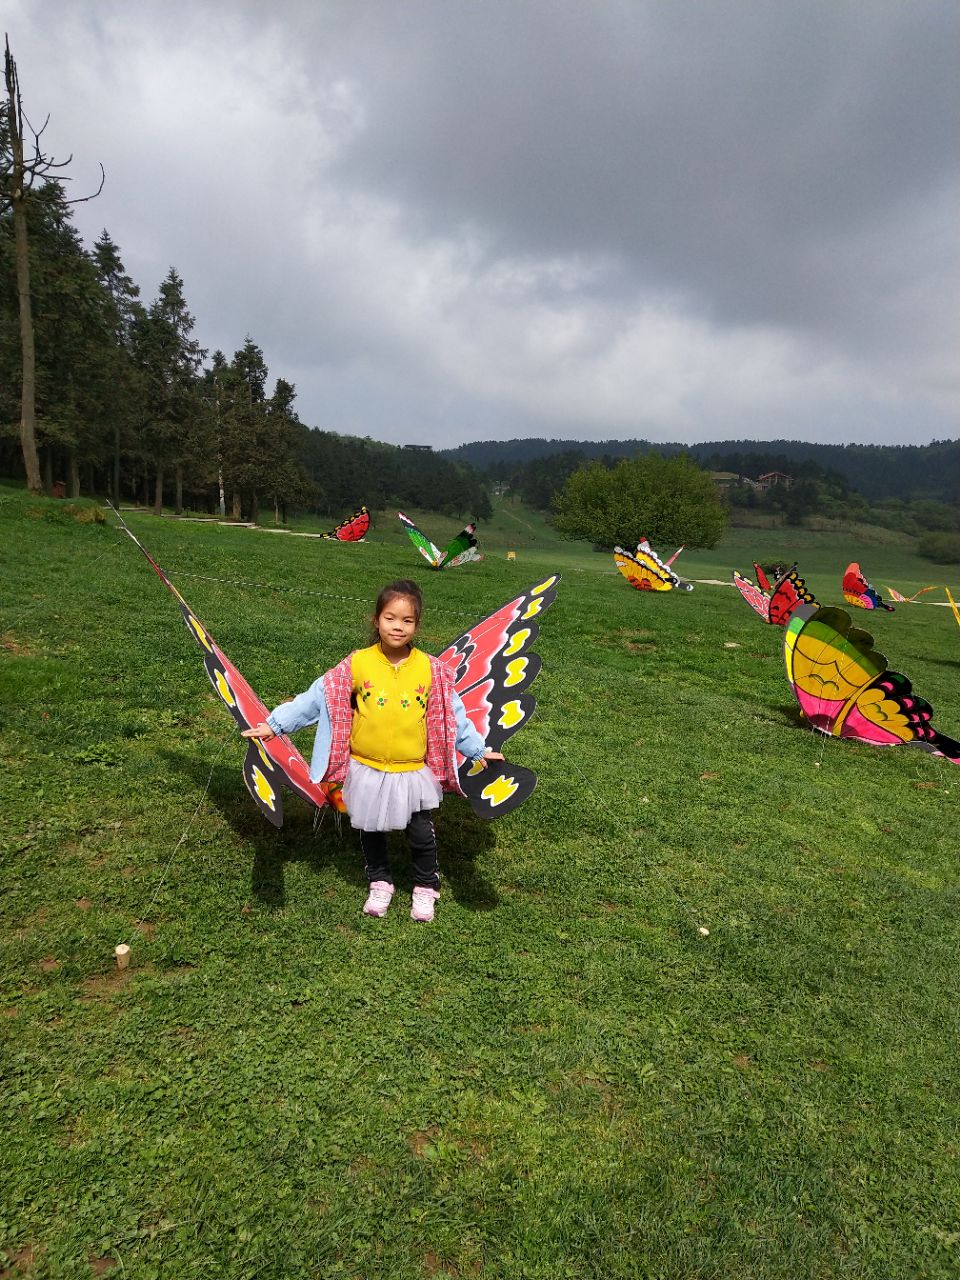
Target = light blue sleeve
(469,742)
(309,707)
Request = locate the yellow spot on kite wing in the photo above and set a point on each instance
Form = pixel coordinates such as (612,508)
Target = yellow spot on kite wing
(511,713)
(200,633)
(517,641)
(516,670)
(476,767)
(533,608)
(263,789)
(224,690)
(263,755)
(874,705)
(500,790)
(543,586)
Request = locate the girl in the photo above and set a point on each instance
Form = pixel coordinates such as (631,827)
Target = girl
(389,725)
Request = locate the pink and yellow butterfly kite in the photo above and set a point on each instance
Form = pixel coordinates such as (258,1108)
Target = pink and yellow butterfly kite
(845,689)
(858,591)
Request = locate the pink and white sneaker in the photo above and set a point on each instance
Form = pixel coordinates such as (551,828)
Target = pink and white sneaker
(424,902)
(378,899)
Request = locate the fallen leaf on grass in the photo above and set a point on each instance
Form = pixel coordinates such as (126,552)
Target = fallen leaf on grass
(15,646)
(434,1266)
(743,1061)
(421,1142)
(21,1262)
(708,775)
(48,964)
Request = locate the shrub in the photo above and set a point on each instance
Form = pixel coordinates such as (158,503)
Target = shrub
(942,548)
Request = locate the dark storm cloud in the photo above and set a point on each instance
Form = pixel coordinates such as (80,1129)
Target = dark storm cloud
(734,152)
(674,219)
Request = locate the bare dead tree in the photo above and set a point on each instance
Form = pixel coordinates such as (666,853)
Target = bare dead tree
(18,173)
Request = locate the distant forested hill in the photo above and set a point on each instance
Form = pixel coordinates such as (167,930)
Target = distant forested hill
(875,470)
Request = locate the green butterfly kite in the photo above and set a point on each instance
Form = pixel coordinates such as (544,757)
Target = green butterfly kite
(460,550)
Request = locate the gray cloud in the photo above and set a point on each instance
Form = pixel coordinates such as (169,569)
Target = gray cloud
(441,219)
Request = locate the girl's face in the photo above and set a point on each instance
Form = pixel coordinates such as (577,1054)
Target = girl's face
(397,625)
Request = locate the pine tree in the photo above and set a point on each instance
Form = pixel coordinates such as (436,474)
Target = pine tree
(21,164)
(124,310)
(174,429)
(73,344)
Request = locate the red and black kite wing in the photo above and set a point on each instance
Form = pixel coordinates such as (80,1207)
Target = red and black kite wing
(493,666)
(352,529)
(267,765)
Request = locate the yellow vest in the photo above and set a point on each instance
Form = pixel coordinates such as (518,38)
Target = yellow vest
(390,706)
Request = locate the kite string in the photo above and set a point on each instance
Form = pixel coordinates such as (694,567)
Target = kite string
(176,847)
(36,605)
(301,591)
(297,591)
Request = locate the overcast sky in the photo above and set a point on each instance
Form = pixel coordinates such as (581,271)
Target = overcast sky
(447,220)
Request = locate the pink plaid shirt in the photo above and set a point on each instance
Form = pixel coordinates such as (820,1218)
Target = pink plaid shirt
(441,722)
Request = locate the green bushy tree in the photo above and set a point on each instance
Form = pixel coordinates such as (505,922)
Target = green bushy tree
(942,548)
(664,499)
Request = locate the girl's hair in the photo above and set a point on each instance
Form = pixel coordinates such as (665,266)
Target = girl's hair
(403,588)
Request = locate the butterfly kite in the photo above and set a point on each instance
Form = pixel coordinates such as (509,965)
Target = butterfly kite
(645,571)
(492,667)
(773,603)
(845,689)
(460,550)
(353,529)
(858,591)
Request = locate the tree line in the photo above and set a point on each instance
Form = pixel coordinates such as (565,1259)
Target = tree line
(128,404)
(877,471)
(816,491)
(102,393)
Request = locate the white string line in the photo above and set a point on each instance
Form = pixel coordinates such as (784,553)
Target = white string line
(37,604)
(176,847)
(266,586)
(297,591)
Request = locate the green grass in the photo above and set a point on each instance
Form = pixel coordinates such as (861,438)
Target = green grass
(561,1078)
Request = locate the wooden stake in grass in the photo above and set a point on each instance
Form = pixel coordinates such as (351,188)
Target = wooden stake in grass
(122,952)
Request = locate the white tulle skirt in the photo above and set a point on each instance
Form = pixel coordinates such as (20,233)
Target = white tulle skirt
(380,801)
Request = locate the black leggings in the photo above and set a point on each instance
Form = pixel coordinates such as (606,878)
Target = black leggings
(423,850)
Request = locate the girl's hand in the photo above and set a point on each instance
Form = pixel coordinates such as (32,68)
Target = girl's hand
(262,731)
(491,755)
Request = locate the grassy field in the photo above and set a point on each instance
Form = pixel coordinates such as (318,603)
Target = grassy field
(563,1077)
